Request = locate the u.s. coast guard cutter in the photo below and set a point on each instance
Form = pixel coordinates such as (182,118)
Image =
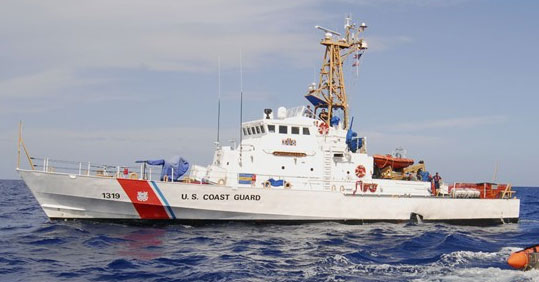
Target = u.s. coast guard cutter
(296,164)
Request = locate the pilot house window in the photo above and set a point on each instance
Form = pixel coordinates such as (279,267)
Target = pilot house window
(257,130)
(295,130)
(262,129)
(283,129)
(271,128)
(305,131)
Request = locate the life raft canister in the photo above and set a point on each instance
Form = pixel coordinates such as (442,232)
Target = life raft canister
(360,171)
(323,128)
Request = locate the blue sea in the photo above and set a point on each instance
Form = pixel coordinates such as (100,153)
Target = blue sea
(33,248)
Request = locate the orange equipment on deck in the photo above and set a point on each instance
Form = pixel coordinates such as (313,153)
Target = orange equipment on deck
(486,190)
(382,161)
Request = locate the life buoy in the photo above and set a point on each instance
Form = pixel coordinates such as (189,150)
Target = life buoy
(342,188)
(133,175)
(221,182)
(323,128)
(287,185)
(372,188)
(267,184)
(360,171)
(165,178)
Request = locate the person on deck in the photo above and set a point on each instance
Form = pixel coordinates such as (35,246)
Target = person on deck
(437,178)
(323,115)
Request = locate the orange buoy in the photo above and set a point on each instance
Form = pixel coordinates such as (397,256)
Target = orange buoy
(525,259)
(518,260)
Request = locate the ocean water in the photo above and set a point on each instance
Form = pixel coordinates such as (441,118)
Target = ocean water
(32,248)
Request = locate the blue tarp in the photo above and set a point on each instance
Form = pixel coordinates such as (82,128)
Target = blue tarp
(424,176)
(334,121)
(352,140)
(177,165)
(276,183)
(316,101)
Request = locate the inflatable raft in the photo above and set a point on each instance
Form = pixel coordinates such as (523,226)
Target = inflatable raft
(525,259)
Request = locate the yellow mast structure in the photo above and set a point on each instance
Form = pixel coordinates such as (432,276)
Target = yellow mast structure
(330,93)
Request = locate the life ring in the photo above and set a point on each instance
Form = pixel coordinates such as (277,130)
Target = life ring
(133,175)
(342,188)
(323,128)
(221,182)
(372,188)
(267,184)
(165,178)
(287,185)
(333,188)
(360,171)
(364,188)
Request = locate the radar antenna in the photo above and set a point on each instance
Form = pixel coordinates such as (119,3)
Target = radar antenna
(330,93)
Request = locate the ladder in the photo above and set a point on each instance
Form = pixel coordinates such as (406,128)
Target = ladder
(328,163)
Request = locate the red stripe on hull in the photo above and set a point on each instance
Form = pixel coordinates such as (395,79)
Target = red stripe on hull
(144,199)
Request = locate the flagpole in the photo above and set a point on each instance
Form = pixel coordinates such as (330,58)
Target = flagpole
(241,105)
(218,98)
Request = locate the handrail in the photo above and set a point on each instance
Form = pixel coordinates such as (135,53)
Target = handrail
(19,143)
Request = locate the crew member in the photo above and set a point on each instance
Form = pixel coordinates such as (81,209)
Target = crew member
(437,178)
(323,115)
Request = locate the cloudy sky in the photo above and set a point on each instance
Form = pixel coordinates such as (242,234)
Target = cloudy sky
(454,82)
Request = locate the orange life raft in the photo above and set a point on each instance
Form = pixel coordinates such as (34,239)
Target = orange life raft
(525,259)
(382,161)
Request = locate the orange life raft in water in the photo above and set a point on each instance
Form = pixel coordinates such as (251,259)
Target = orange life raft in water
(525,259)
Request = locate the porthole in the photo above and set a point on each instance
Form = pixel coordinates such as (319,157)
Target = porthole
(282,167)
(312,169)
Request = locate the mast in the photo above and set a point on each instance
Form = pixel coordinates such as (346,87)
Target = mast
(330,93)
(218,98)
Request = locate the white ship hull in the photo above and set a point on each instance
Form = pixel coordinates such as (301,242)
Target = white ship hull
(89,197)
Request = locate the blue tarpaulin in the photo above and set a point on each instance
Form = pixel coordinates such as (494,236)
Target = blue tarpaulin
(424,176)
(176,165)
(352,140)
(317,102)
(276,183)
(334,121)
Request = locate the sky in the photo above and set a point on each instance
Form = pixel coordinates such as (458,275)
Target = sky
(453,82)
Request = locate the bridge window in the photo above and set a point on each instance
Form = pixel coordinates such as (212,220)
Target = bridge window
(295,130)
(271,128)
(306,131)
(249,131)
(283,129)
(257,129)
(244,131)
(253,130)
(262,129)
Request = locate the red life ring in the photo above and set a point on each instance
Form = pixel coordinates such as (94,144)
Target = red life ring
(360,171)
(323,128)
(372,188)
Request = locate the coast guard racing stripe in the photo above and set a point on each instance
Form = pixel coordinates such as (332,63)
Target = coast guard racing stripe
(144,199)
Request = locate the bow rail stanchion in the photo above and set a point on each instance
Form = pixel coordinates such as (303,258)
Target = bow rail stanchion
(19,144)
